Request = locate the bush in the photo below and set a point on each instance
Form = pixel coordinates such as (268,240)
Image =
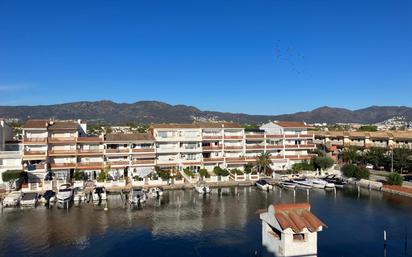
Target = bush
(220,172)
(236,171)
(102,176)
(78,175)
(395,179)
(204,173)
(354,171)
(301,166)
(163,174)
(12,175)
(248,168)
(137,178)
(188,172)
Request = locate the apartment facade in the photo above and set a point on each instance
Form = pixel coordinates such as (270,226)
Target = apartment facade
(206,145)
(334,140)
(10,150)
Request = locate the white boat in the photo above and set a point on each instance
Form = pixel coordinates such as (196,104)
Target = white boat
(155,192)
(322,184)
(288,185)
(137,196)
(202,188)
(49,197)
(264,185)
(99,194)
(79,196)
(64,196)
(303,183)
(12,199)
(29,199)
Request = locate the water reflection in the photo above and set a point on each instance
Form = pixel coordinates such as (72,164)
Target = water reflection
(184,223)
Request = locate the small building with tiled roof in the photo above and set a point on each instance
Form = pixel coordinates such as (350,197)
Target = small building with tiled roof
(290,230)
(129,137)
(36,124)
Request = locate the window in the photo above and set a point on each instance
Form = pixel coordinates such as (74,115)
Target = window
(299,237)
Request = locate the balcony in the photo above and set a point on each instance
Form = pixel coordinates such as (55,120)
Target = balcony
(117,151)
(143,150)
(62,140)
(255,136)
(217,159)
(35,140)
(143,162)
(62,152)
(235,159)
(122,163)
(168,150)
(90,152)
(57,166)
(302,146)
(274,136)
(233,137)
(145,156)
(274,146)
(35,167)
(90,165)
(301,136)
(234,147)
(34,155)
(252,147)
(212,148)
(212,137)
(89,140)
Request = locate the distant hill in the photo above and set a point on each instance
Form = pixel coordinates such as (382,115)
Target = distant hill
(157,112)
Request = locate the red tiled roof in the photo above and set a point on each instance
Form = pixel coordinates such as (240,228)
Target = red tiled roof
(63,125)
(36,124)
(297,217)
(291,124)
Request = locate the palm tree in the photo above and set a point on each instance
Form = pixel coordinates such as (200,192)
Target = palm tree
(263,162)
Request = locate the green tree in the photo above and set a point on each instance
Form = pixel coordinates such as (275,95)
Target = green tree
(354,171)
(220,172)
(248,167)
(371,128)
(322,163)
(103,174)
(350,155)
(204,173)
(376,156)
(401,158)
(263,163)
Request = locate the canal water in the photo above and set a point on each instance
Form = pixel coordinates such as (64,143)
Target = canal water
(224,223)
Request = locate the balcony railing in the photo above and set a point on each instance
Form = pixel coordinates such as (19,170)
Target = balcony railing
(213,159)
(212,148)
(89,165)
(34,140)
(90,152)
(215,137)
(63,165)
(117,163)
(274,146)
(300,146)
(251,136)
(126,150)
(143,162)
(59,140)
(274,136)
(235,159)
(143,150)
(234,147)
(62,152)
(31,153)
(255,146)
(89,139)
(233,137)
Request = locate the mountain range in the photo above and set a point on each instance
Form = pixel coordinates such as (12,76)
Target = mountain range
(159,112)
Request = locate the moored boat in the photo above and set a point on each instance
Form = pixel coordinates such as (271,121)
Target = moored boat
(202,188)
(303,183)
(12,199)
(155,192)
(49,197)
(29,199)
(137,196)
(99,194)
(288,184)
(64,196)
(263,185)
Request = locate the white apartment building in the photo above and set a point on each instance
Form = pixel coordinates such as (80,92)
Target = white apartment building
(10,150)
(206,145)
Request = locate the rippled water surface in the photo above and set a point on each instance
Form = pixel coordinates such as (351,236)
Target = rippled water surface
(225,223)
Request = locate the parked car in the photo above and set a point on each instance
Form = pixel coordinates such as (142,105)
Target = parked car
(369,166)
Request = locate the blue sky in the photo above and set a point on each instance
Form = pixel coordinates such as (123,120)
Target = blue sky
(259,57)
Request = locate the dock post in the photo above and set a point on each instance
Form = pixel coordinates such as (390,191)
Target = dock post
(294,195)
(307,194)
(384,243)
